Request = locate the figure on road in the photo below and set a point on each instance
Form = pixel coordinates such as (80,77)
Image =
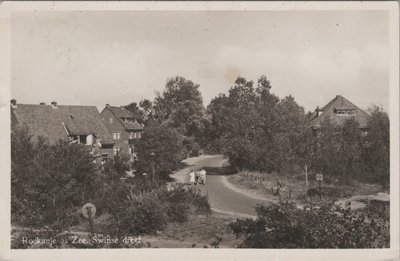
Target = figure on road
(192,177)
(203,176)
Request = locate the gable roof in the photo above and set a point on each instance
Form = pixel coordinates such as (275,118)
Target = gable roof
(121,113)
(133,125)
(328,112)
(58,123)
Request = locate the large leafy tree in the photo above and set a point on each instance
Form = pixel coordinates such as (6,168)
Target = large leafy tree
(256,129)
(377,149)
(143,112)
(160,147)
(180,106)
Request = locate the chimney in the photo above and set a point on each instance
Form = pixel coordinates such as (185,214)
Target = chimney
(54,104)
(107,105)
(42,103)
(13,103)
(318,111)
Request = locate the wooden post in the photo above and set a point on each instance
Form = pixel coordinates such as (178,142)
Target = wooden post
(306,172)
(152,170)
(320,192)
(90,220)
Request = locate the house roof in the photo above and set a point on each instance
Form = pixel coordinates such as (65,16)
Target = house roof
(328,112)
(121,114)
(133,125)
(60,122)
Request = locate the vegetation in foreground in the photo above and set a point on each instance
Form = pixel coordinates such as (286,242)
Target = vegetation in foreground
(286,225)
(62,177)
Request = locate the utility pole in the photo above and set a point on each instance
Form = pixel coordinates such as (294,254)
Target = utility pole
(306,172)
(152,154)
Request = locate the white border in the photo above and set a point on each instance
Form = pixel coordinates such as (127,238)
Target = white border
(194,254)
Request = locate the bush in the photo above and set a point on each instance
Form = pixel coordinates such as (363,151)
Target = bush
(144,213)
(61,177)
(286,225)
(150,211)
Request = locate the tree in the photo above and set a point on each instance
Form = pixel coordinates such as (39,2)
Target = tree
(377,149)
(256,129)
(180,106)
(166,145)
(143,112)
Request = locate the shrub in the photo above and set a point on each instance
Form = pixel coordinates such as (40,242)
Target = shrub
(147,212)
(286,225)
(61,176)
(141,214)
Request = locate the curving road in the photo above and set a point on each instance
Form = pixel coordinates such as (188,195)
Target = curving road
(222,198)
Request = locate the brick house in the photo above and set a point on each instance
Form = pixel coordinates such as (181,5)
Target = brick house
(338,111)
(76,124)
(124,128)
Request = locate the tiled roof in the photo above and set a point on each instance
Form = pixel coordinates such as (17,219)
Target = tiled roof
(339,102)
(53,123)
(133,126)
(121,113)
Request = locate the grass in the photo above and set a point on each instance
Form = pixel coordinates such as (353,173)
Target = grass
(294,186)
(200,231)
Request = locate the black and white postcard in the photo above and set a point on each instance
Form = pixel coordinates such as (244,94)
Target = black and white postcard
(199,130)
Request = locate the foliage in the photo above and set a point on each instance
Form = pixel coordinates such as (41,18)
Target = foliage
(166,145)
(142,112)
(61,178)
(180,106)
(256,129)
(286,225)
(346,153)
(377,149)
(147,212)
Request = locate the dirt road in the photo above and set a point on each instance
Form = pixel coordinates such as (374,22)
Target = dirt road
(222,198)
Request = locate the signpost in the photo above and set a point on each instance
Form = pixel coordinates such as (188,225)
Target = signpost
(319,178)
(88,211)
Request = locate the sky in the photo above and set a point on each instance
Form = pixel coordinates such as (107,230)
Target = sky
(118,57)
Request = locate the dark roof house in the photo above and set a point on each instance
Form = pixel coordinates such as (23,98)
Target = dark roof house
(338,111)
(125,129)
(125,117)
(60,121)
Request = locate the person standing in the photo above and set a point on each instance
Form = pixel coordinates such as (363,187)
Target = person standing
(192,177)
(203,175)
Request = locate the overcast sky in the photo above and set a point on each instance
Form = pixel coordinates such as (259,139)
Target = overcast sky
(94,58)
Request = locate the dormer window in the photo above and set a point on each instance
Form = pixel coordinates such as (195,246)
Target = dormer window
(345,112)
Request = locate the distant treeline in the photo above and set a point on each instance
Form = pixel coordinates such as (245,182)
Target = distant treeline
(257,130)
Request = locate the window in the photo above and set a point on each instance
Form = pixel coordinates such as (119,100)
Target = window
(346,112)
(117,151)
(132,150)
(111,120)
(116,136)
(135,135)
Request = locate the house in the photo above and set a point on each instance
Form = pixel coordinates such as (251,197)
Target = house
(77,124)
(338,111)
(126,131)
